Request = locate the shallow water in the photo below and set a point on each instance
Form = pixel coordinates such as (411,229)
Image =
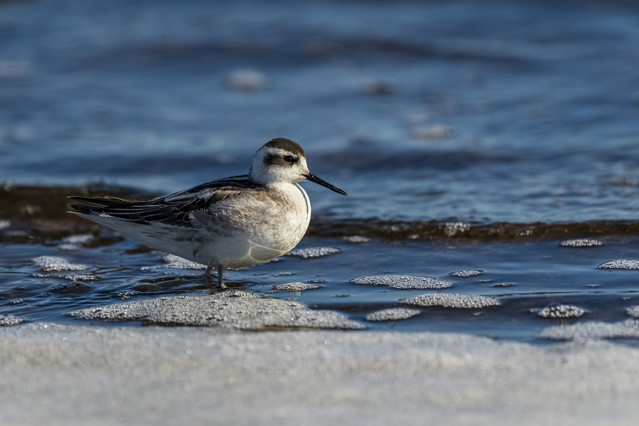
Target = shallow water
(468,138)
(54,265)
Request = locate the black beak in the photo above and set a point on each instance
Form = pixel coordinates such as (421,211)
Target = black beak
(322,182)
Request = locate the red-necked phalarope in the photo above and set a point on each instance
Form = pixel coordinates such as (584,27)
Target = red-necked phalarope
(228,223)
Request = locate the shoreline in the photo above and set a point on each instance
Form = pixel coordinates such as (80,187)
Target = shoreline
(86,374)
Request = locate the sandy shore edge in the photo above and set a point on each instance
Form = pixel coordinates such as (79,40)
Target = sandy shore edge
(58,374)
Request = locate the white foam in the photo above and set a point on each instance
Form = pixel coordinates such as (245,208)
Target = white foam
(313,252)
(55,263)
(579,243)
(295,287)
(72,242)
(561,312)
(4,224)
(356,239)
(627,264)
(453,228)
(80,277)
(392,314)
(467,273)
(78,239)
(127,294)
(8,320)
(633,311)
(448,300)
(433,132)
(247,80)
(231,309)
(592,330)
(403,282)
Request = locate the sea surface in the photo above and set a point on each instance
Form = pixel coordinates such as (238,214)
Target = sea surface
(491,146)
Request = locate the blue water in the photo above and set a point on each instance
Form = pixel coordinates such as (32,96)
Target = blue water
(451,111)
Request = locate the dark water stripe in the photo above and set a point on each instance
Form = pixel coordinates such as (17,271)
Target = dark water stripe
(506,231)
(42,211)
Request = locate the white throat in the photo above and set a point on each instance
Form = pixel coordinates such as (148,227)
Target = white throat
(268,167)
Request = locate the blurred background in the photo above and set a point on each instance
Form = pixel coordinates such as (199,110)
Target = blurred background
(483,111)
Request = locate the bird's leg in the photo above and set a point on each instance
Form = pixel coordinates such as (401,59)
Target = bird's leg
(208,275)
(220,276)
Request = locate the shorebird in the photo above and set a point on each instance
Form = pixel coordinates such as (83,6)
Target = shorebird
(233,222)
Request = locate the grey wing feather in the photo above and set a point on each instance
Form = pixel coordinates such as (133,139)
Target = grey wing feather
(174,209)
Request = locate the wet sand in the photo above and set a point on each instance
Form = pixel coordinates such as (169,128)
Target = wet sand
(99,374)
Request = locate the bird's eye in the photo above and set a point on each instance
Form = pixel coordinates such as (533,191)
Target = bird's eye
(290,159)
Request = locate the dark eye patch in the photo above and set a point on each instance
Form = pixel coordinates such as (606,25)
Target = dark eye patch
(278,160)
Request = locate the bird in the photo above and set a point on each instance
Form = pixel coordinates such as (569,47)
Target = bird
(234,222)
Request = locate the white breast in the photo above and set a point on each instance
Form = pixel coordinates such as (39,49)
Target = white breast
(294,216)
(259,229)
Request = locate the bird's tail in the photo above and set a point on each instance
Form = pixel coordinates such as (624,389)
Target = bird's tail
(95,205)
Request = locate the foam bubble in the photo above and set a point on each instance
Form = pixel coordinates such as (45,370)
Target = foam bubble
(295,287)
(561,312)
(504,285)
(592,330)
(578,243)
(454,228)
(247,80)
(448,300)
(356,239)
(633,311)
(403,282)
(78,239)
(55,264)
(80,277)
(72,242)
(392,314)
(627,264)
(313,252)
(467,273)
(230,309)
(7,320)
(433,132)
(127,294)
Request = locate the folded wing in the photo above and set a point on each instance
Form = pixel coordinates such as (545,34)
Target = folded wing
(174,209)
